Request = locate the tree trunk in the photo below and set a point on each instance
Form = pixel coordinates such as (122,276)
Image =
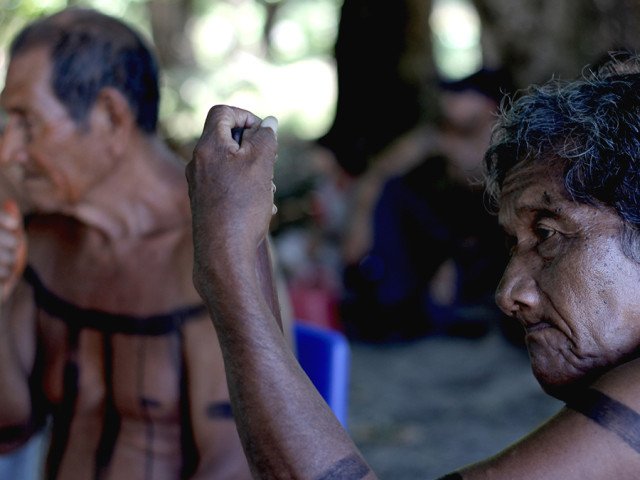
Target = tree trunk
(384,63)
(538,39)
(168,23)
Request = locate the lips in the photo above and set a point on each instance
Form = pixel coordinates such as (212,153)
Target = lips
(534,325)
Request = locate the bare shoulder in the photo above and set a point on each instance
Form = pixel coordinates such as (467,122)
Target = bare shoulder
(597,435)
(623,384)
(142,275)
(162,265)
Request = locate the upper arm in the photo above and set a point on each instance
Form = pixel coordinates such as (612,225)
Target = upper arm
(597,437)
(212,422)
(20,314)
(18,345)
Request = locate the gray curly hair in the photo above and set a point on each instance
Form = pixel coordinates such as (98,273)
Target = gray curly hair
(591,127)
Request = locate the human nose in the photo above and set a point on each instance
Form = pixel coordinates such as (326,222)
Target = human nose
(518,289)
(12,144)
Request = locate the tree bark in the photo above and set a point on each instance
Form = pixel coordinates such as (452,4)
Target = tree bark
(538,39)
(384,63)
(168,24)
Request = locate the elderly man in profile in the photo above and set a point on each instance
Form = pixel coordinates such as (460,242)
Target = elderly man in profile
(564,169)
(101,326)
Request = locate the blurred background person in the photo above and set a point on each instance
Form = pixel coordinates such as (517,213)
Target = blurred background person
(422,253)
(103,332)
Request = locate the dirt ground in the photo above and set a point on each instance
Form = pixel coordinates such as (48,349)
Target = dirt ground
(423,409)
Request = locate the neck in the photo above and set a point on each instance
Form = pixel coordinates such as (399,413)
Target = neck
(146,193)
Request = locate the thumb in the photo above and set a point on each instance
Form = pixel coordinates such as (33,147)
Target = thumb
(265,138)
(272,123)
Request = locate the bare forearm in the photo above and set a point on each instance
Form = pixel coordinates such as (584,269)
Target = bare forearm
(264,270)
(286,428)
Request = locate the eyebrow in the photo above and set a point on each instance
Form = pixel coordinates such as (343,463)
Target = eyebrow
(538,210)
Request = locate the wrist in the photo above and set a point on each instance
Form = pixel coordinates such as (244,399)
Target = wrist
(221,269)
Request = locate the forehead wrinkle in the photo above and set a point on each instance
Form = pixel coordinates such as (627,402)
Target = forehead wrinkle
(529,200)
(530,187)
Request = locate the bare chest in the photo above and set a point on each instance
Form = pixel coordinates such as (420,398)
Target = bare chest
(135,376)
(110,315)
(129,276)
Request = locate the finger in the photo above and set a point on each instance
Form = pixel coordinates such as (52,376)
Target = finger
(230,117)
(272,123)
(10,215)
(217,130)
(5,272)
(263,141)
(8,239)
(7,257)
(8,221)
(224,120)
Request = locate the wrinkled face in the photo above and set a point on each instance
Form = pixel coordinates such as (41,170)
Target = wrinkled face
(59,159)
(568,281)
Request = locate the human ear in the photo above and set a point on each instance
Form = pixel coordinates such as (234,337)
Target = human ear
(113,116)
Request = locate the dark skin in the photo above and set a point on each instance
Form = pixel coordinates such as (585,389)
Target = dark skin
(109,231)
(568,282)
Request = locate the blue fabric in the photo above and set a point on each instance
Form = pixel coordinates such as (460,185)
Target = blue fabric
(25,463)
(325,357)
(421,220)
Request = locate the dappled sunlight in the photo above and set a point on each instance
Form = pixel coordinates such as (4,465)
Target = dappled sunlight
(288,71)
(270,57)
(289,74)
(455,26)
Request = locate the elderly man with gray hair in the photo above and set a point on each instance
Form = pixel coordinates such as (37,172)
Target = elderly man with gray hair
(564,171)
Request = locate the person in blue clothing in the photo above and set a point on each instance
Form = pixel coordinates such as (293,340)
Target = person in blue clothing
(434,252)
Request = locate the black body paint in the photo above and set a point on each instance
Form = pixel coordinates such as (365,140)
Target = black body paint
(111,420)
(146,404)
(78,318)
(610,414)
(65,411)
(189,453)
(219,410)
(349,468)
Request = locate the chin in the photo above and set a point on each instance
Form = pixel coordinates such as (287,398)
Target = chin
(563,387)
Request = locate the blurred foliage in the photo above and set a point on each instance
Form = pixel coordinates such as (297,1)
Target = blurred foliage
(273,57)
